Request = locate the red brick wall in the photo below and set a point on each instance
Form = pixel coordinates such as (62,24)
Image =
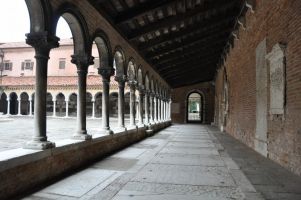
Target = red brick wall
(279,22)
(179,97)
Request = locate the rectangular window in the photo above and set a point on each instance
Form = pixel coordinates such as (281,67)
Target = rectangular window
(27,65)
(8,65)
(62,63)
(96,63)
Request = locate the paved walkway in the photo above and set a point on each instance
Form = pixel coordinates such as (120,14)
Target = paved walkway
(182,162)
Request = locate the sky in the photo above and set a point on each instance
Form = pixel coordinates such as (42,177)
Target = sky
(14,22)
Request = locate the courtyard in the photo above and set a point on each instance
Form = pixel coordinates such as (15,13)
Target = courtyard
(17,130)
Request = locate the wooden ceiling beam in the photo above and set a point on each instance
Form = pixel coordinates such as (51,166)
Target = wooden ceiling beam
(210,38)
(195,68)
(201,28)
(186,64)
(141,9)
(197,56)
(185,52)
(204,10)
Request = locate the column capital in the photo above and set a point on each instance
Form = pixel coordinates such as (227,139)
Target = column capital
(132,84)
(106,73)
(42,41)
(121,80)
(82,62)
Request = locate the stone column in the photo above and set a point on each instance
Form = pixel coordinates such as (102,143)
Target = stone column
(93,108)
(140,106)
(151,108)
(155,109)
(82,63)
(67,108)
(159,109)
(106,73)
(42,43)
(8,106)
(162,110)
(146,107)
(54,108)
(19,105)
(132,85)
(121,84)
(30,107)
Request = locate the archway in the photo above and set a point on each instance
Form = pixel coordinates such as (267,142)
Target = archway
(194,108)
(3,103)
(49,104)
(24,103)
(113,104)
(89,104)
(13,103)
(60,105)
(98,104)
(72,105)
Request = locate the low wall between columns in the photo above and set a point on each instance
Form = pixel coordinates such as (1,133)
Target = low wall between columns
(22,170)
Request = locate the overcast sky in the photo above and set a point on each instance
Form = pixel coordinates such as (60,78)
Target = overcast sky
(14,22)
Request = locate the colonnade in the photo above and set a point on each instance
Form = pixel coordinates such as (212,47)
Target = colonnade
(42,45)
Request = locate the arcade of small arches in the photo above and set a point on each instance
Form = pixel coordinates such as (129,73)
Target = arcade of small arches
(62,104)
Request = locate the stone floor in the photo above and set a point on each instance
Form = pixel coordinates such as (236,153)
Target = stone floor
(190,162)
(17,130)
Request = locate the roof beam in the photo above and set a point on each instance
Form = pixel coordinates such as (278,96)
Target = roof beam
(188,51)
(210,38)
(189,64)
(196,56)
(202,27)
(204,10)
(141,9)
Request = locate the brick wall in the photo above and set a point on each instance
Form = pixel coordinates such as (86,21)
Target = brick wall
(277,22)
(179,101)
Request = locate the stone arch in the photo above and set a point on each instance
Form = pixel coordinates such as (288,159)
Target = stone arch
(89,104)
(203,105)
(140,77)
(72,104)
(13,98)
(60,105)
(98,104)
(113,104)
(104,49)
(152,84)
(49,104)
(119,61)
(77,25)
(127,105)
(147,82)
(40,15)
(131,70)
(24,99)
(3,103)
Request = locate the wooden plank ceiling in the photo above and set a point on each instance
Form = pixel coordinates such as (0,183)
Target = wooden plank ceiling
(183,40)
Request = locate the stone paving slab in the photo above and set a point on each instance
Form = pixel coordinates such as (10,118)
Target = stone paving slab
(79,184)
(137,190)
(189,150)
(188,159)
(190,175)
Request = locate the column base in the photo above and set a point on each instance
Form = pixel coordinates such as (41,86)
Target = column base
(131,127)
(39,145)
(106,131)
(82,136)
(140,125)
(119,129)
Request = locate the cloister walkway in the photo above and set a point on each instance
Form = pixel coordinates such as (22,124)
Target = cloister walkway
(192,162)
